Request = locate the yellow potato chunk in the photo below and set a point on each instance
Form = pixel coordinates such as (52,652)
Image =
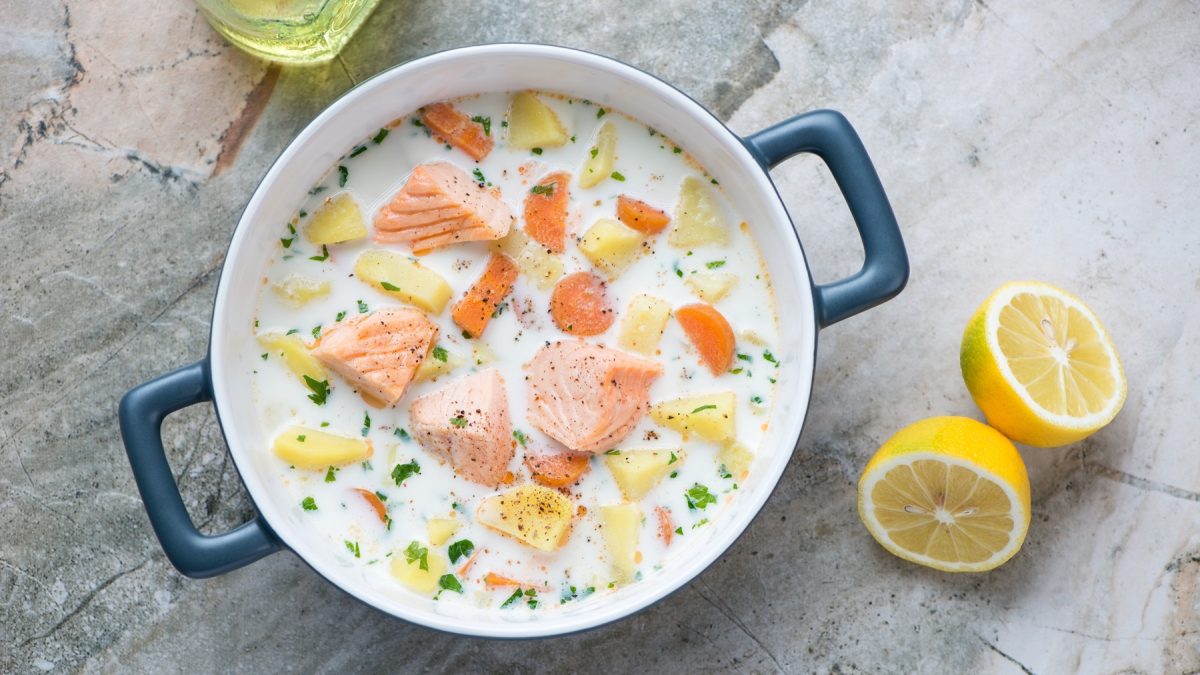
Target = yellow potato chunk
(711,286)
(297,289)
(699,219)
(295,355)
(601,155)
(315,450)
(709,416)
(339,219)
(638,471)
(407,570)
(736,459)
(621,523)
(643,324)
(531,514)
(611,246)
(439,362)
(541,267)
(533,124)
(441,529)
(404,279)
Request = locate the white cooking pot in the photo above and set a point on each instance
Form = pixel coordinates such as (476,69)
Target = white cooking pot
(741,165)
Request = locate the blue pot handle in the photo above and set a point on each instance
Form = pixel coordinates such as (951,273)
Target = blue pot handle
(828,135)
(194,554)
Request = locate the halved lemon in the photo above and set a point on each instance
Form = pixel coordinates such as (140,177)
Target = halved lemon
(1040,365)
(949,493)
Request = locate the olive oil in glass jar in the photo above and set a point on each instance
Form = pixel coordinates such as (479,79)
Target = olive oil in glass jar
(289,31)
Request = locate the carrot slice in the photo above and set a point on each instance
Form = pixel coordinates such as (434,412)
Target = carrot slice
(454,127)
(710,333)
(496,580)
(475,310)
(579,306)
(640,216)
(546,211)
(559,469)
(466,567)
(375,502)
(664,524)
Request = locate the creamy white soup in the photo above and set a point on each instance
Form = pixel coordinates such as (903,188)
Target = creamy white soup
(517,352)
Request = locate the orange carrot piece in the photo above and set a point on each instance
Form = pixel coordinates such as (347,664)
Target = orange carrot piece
(710,333)
(665,531)
(546,211)
(579,306)
(559,469)
(454,127)
(475,310)
(498,581)
(640,216)
(466,567)
(374,502)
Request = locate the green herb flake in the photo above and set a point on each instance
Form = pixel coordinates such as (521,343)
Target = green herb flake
(756,399)
(736,371)
(512,599)
(714,181)
(449,582)
(415,553)
(698,497)
(324,255)
(772,380)
(366,427)
(485,122)
(677,149)
(678,272)
(403,472)
(601,113)
(292,331)
(440,354)
(340,315)
(362,307)
(264,356)
(710,406)
(467,335)
(463,548)
(617,175)
(724,472)
(287,243)
(301,437)
(614,451)
(679,530)
(745,357)
(388,286)
(594,151)
(319,388)
(358,151)
(378,138)
(458,421)
(520,436)
(316,331)
(352,546)
(309,504)
(402,434)
(702,521)
(715,264)
(331,474)
(672,460)
(546,190)
(770,358)
(674,474)
(536,151)
(479,177)
(416,121)
(317,190)
(572,138)
(343,175)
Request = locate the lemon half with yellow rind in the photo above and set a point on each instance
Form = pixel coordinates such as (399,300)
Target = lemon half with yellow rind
(1041,366)
(949,493)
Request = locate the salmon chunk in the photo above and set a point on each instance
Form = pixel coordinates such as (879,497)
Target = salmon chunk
(453,126)
(588,397)
(546,211)
(378,353)
(441,205)
(467,423)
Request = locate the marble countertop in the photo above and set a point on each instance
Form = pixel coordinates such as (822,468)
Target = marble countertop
(1023,139)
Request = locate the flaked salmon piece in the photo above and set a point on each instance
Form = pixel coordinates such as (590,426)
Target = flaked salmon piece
(378,353)
(588,397)
(546,211)
(453,126)
(440,205)
(467,423)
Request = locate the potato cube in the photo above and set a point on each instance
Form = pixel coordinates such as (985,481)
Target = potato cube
(699,218)
(297,289)
(315,450)
(643,324)
(439,362)
(441,529)
(601,155)
(711,286)
(531,514)
(611,246)
(709,416)
(404,279)
(295,355)
(638,471)
(533,124)
(541,267)
(620,525)
(406,568)
(736,458)
(339,219)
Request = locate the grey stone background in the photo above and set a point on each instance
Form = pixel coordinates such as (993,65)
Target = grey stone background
(1017,139)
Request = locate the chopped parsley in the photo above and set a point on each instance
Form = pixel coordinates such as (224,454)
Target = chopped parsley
(736,371)
(389,286)
(402,434)
(324,255)
(403,472)
(317,190)
(316,331)
(536,151)
(745,357)
(699,497)
(309,504)
(756,399)
(343,175)
(770,358)
(358,151)
(520,436)
(724,472)
(292,331)
(600,113)
(440,354)
(362,307)
(678,272)
(710,406)
(614,451)
(617,175)
(320,390)
(594,151)
(415,553)
(352,546)
(264,356)
(301,438)
(331,474)
(672,460)
(702,521)
(543,189)
(679,530)
(714,264)
(531,594)
(449,582)
(714,181)
(366,428)
(417,122)
(341,315)
(479,177)
(463,548)
(485,122)
(677,149)
(378,138)
(512,599)
(287,243)
(458,421)
(674,474)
